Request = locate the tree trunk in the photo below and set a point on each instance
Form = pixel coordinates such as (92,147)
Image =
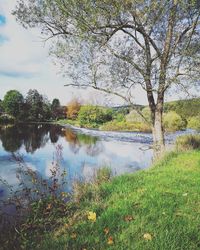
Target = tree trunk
(158,134)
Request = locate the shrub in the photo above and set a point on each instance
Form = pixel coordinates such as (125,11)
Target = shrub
(188,142)
(93,116)
(133,116)
(119,117)
(7,119)
(73,108)
(125,126)
(194,122)
(173,122)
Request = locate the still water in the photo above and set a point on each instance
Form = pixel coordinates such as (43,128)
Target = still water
(83,151)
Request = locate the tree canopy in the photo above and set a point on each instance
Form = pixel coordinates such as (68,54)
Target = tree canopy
(113,46)
(13,102)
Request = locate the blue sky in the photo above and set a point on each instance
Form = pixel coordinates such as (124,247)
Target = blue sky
(25,64)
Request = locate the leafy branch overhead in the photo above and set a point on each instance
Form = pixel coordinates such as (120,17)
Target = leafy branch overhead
(114,46)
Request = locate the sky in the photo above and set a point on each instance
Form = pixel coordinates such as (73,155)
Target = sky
(25,64)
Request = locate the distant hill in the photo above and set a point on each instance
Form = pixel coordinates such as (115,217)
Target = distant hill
(185,108)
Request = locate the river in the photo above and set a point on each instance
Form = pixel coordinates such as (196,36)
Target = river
(83,151)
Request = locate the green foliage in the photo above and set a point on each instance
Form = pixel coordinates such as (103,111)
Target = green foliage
(93,116)
(185,108)
(152,209)
(1,107)
(134,116)
(194,122)
(57,111)
(188,142)
(125,126)
(42,200)
(13,102)
(173,122)
(119,117)
(6,119)
(37,106)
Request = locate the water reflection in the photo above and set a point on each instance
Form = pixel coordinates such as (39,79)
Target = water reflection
(35,136)
(82,154)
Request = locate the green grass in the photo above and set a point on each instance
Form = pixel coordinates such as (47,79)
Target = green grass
(163,201)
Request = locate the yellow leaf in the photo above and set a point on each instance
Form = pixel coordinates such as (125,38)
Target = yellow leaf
(147,236)
(110,240)
(92,216)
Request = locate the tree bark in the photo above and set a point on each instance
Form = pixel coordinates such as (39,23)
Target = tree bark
(158,134)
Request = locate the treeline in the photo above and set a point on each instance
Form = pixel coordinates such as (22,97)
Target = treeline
(178,115)
(33,107)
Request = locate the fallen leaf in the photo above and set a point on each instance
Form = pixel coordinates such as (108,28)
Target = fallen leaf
(147,236)
(110,240)
(106,230)
(128,218)
(92,216)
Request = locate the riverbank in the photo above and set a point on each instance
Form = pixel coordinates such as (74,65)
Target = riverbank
(121,126)
(156,208)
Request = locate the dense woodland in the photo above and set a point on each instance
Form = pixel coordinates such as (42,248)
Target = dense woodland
(33,107)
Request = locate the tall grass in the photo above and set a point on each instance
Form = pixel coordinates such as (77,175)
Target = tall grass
(188,142)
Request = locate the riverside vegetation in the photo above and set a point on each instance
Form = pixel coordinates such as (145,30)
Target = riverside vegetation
(35,107)
(177,116)
(156,208)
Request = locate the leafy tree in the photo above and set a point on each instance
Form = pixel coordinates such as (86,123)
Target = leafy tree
(93,115)
(73,108)
(1,107)
(173,122)
(38,106)
(56,109)
(194,122)
(13,102)
(113,46)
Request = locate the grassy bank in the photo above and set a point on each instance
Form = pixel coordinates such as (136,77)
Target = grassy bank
(110,126)
(157,208)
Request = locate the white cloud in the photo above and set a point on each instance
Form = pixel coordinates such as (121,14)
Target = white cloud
(24,64)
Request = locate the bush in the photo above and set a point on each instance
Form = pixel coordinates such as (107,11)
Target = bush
(7,119)
(73,108)
(188,142)
(93,116)
(173,122)
(125,126)
(194,122)
(133,116)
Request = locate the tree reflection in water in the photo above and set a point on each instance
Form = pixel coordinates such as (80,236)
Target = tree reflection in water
(35,136)
(91,145)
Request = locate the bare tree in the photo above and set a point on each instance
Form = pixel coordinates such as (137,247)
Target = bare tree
(154,44)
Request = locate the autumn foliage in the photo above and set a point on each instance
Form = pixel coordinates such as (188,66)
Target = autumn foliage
(73,108)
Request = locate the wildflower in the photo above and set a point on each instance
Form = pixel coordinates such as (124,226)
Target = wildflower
(92,216)
(110,240)
(147,236)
